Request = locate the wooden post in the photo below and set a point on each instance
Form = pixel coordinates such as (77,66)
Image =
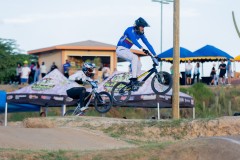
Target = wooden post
(63,109)
(216,104)
(176,60)
(230,108)
(5,114)
(194,114)
(204,106)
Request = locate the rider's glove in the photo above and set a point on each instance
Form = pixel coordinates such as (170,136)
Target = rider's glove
(145,51)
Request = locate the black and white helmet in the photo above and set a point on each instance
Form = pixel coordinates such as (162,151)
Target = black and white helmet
(88,69)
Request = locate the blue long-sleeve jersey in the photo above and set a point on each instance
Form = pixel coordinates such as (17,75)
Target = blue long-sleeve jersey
(131,37)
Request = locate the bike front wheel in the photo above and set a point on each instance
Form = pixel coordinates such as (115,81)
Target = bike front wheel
(121,93)
(103,102)
(161,83)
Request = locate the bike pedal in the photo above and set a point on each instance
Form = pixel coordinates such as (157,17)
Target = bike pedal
(135,88)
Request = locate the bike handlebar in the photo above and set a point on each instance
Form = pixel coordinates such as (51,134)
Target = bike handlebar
(148,53)
(151,55)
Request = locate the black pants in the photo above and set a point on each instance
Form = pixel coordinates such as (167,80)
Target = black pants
(194,75)
(79,93)
(18,79)
(66,75)
(43,75)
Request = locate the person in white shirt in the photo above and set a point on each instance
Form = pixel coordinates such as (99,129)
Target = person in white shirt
(188,72)
(80,77)
(105,71)
(43,69)
(25,73)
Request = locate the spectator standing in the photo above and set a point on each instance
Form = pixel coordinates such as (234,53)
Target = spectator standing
(25,73)
(32,73)
(105,71)
(229,71)
(36,73)
(18,73)
(213,75)
(43,69)
(66,68)
(53,66)
(188,70)
(222,73)
(196,72)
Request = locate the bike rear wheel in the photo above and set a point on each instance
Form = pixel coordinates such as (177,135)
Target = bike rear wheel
(103,102)
(121,93)
(161,83)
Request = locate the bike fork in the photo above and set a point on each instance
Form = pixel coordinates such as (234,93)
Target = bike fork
(99,98)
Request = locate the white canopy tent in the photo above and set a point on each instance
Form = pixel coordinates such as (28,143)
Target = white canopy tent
(49,91)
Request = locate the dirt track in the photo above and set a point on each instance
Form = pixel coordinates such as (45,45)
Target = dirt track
(222,138)
(214,148)
(220,148)
(57,138)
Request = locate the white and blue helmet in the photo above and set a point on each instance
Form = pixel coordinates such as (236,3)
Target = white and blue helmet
(88,69)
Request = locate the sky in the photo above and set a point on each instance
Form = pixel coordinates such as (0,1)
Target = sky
(45,23)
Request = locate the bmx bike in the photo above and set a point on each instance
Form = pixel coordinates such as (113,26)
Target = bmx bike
(102,101)
(161,83)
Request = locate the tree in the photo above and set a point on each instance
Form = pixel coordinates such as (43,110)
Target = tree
(10,55)
(97,61)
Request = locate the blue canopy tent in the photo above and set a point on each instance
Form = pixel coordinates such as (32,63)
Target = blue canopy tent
(210,53)
(207,53)
(14,107)
(185,55)
(167,55)
(204,54)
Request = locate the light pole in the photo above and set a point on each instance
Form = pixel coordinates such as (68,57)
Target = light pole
(161,22)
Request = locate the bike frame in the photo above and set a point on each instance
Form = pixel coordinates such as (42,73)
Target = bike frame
(148,73)
(92,94)
(101,101)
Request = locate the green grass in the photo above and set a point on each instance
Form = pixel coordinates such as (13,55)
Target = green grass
(136,129)
(209,96)
(19,116)
(15,154)
(121,154)
(54,155)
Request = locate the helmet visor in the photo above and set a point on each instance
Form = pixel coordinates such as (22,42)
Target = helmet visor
(90,70)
